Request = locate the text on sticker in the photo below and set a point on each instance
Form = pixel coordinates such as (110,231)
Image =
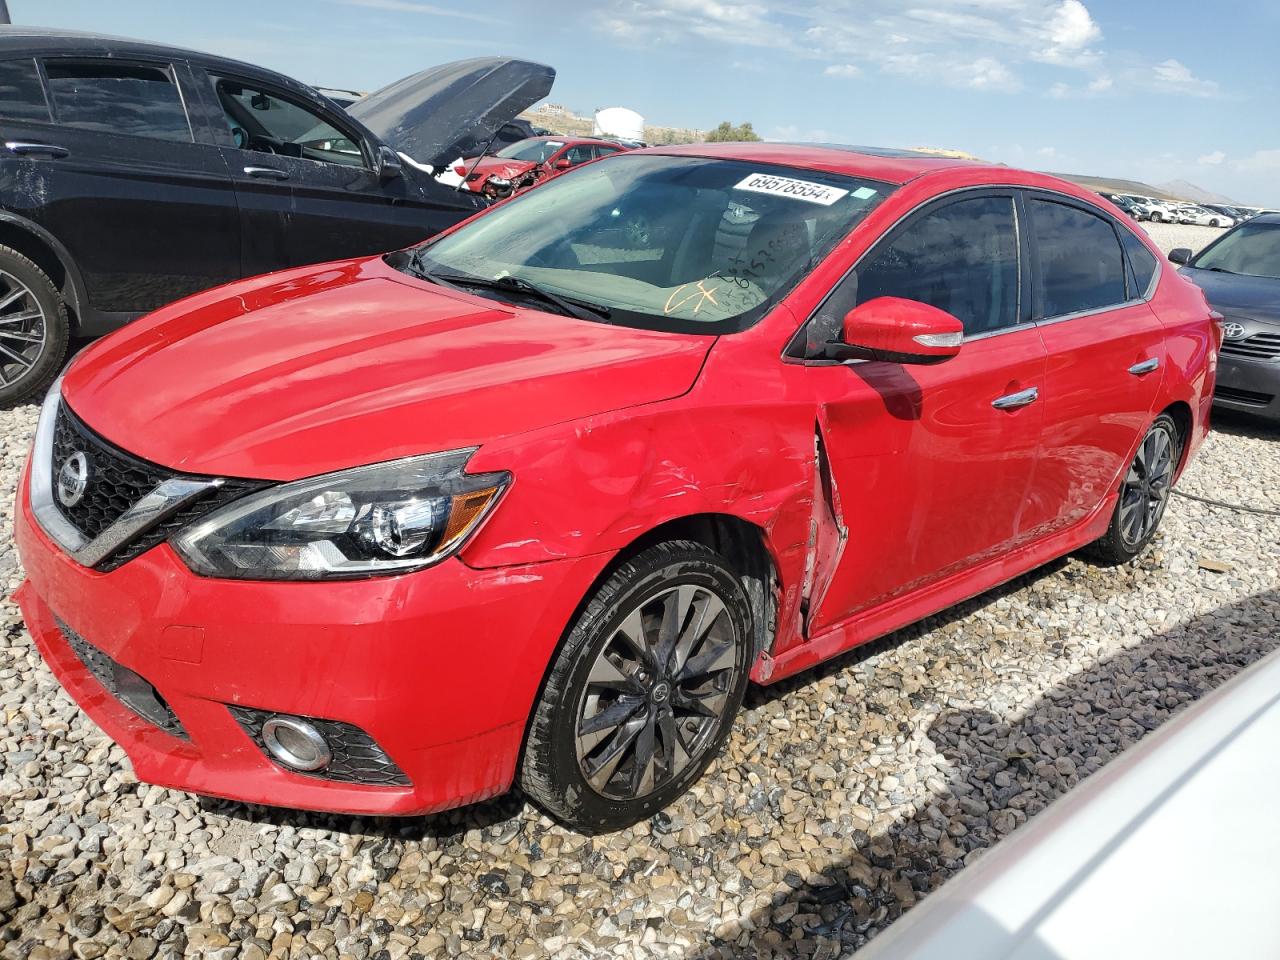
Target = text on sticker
(795,189)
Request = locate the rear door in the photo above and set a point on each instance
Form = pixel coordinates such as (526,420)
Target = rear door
(931,465)
(112,169)
(1106,352)
(306,183)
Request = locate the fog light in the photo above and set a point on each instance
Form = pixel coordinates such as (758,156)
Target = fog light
(296,743)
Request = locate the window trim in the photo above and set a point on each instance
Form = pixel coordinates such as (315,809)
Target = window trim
(166,66)
(352,133)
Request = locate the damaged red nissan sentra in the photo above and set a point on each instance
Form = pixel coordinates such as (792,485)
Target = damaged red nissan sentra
(533,502)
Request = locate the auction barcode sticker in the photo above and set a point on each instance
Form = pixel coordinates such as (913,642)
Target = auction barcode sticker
(795,189)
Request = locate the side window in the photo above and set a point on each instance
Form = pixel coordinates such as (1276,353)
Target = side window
(962,258)
(1081,266)
(603,151)
(21,95)
(112,97)
(263,121)
(579,154)
(1141,261)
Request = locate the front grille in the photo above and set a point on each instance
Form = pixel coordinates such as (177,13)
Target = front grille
(1249,397)
(126,686)
(357,758)
(1260,346)
(118,480)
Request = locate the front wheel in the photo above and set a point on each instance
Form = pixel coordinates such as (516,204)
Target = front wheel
(33,328)
(643,692)
(1144,494)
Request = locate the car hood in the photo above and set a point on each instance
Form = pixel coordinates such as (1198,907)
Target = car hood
(499,167)
(329,367)
(430,116)
(1256,297)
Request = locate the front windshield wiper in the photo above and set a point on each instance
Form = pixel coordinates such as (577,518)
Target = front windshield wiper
(582,309)
(1219,270)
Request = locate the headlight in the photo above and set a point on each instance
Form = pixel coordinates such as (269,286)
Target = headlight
(387,518)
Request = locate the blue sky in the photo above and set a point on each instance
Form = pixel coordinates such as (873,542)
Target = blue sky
(1129,88)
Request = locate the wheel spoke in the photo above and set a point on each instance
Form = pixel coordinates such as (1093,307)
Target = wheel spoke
(12,297)
(675,614)
(599,773)
(675,756)
(605,673)
(642,769)
(24,335)
(609,719)
(21,317)
(706,703)
(633,634)
(16,357)
(709,608)
(712,658)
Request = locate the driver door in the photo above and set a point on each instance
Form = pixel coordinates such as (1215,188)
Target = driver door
(305,183)
(930,467)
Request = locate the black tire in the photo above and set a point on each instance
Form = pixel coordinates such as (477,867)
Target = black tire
(1119,545)
(552,774)
(23,383)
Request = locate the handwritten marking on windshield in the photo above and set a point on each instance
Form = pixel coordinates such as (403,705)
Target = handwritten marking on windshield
(701,295)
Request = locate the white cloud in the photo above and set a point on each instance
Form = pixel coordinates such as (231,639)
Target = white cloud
(413,6)
(842,70)
(1212,159)
(987,45)
(1176,77)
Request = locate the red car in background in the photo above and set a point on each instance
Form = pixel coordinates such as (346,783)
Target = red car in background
(535,500)
(531,161)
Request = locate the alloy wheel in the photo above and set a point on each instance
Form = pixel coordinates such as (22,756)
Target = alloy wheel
(22,329)
(1147,485)
(657,692)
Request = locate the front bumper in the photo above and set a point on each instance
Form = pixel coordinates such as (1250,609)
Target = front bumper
(1250,386)
(440,668)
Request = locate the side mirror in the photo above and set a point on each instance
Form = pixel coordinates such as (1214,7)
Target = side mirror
(1180,255)
(563,164)
(387,163)
(899,331)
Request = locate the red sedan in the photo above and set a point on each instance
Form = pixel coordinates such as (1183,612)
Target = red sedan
(530,161)
(533,502)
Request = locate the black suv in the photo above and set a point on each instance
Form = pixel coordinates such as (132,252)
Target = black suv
(132,174)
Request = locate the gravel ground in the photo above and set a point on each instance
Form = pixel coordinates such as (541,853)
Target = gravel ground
(1168,236)
(846,795)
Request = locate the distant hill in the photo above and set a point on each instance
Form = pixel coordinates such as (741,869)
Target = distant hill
(1197,194)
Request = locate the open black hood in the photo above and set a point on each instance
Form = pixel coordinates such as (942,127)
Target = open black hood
(439,113)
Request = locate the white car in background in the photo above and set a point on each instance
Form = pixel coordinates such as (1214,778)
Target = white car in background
(1161,211)
(1169,851)
(1199,216)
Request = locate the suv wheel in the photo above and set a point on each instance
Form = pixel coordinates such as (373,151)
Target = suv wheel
(1144,494)
(643,692)
(33,328)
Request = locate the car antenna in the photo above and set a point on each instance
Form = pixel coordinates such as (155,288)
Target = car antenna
(465,176)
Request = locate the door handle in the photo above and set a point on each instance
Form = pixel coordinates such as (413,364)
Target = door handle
(25,148)
(1012,401)
(1146,366)
(266,173)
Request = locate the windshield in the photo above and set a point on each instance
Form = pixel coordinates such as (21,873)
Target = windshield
(535,151)
(664,243)
(1251,249)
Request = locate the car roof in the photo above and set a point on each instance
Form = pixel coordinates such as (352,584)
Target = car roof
(875,163)
(67,41)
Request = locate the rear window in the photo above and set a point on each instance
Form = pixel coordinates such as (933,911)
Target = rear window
(1141,261)
(21,96)
(1081,266)
(132,99)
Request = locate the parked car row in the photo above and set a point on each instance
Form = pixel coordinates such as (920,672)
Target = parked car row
(133,174)
(1173,211)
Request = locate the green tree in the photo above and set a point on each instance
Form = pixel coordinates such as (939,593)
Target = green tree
(727,132)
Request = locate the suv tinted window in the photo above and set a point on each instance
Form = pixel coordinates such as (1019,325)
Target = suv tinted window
(1141,261)
(21,96)
(962,258)
(266,122)
(117,98)
(1081,266)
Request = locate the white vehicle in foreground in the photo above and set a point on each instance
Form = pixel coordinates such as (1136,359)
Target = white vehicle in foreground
(1169,851)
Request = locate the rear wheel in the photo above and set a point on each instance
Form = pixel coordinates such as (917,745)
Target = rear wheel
(642,695)
(33,328)
(1144,494)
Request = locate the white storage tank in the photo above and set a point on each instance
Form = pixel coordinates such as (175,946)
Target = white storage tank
(618,122)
